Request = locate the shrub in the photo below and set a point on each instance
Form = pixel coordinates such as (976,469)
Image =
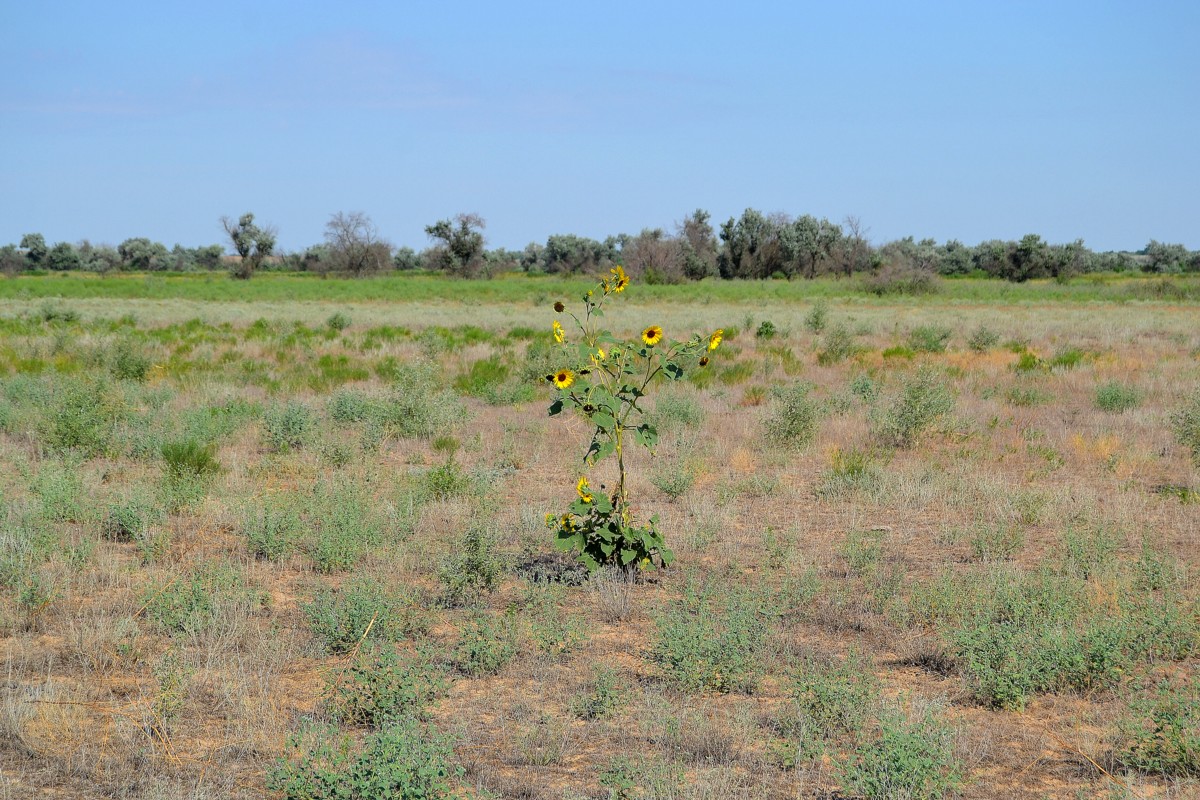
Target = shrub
(472,568)
(983,339)
(362,608)
(555,633)
(187,604)
(289,426)
(129,362)
(351,405)
(834,698)
(420,405)
(338,322)
(908,759)
(485,645)
(1067,358)
(817,317)
(1117,398)
(836,346)
(272,529)
(403,760)
(189,458)
(897,279)
(794,420)
(379,686)
(923,400)
(446,481)
(83,417)
(849,471)
(1161,732)
(130,519)
(929,339)
(602,697)
(675,410)
(1186,425)
(345,525)
(673,479)
(996,542)
(705,642)
(766,330)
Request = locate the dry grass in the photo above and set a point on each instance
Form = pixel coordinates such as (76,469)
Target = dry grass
(88,708)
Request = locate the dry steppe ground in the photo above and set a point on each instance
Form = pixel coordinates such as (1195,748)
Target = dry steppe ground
(901,570)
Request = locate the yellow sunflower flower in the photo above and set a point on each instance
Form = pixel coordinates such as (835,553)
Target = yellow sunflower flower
(559,336)
(564,378)
(714,341)
(620,280)
(652,335)
(585,491)
(566,522)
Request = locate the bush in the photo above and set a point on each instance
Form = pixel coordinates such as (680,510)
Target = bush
(673,479)
(1117,398)
(602,697)
(485,645)
(907,760)
(1161,733)
(82,418)
(130,519)
(129,362)
(996,542)
(923,400)
(837,345)
(472,568)
(1185,423)
(929,339)
(834,698)
(362,608)
(766,330)
(794,420)
(675,410)
(379,687)
(272,529)
(187,604)
(983,339)
(896,279)
(817,317)
(189,458)
(403,760)
(338,322)
(705,642)
(289,426)
(345,525)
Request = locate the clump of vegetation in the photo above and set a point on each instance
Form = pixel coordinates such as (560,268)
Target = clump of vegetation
(1186,424)
(929,338)
(486,644)
(129,362)
(1116,397)
(912,758)
(923,400)
(705,641)
(794,420)
(380,686)
(817,317)
(189,459)
(188,603)
(338,321)
(836,346)
(364,608)
(1160,734)
(289,426)
(983,339)
(472,568)
(766,330)
(272,528)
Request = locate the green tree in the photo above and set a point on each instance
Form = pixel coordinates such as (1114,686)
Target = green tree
(142,254)
(252,243)
(1168,258)
(698,245)
(34,245)
(62,257)
(459,244)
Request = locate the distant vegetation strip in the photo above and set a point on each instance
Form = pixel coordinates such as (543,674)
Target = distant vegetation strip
(519,287)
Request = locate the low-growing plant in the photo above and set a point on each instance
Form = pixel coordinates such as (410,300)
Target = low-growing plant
(344,525)
(766,330)
(129,362)
(676,410)
(852,470)
(189,458)
(485,645)
(923,399)
(1116,397)
(602,696)
(908,758)
(555,632)
(1067,358)
(817,317)
(833,698)
(1160,734)
(380,685)
(362,609)
(983,339)
(837,345)
(272,528)
(187,603)
(130,519)
(795,417)
(705,642)
(472,568)
(929,338)
(996,542)
(1185,423)
(338,321)
(289,426)
(673,479)
(404,759)
(604,381)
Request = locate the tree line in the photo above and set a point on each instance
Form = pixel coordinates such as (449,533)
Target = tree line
(752,246)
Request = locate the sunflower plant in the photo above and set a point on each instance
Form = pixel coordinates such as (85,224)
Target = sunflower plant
(604,380)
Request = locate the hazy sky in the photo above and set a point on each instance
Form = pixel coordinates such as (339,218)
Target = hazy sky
(964,120)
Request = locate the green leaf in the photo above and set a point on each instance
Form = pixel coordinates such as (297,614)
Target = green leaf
(673,370)
(627,555)
(556,407)
(604,421)
(603,504)
(647,435)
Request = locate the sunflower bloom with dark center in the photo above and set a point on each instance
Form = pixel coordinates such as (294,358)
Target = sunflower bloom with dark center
(652,335)
(564,378)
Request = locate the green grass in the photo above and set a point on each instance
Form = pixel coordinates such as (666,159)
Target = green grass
(513,288)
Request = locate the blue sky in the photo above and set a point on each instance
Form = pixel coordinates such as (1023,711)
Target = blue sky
(964,120)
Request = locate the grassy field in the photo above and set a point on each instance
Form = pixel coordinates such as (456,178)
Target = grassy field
(273,538)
